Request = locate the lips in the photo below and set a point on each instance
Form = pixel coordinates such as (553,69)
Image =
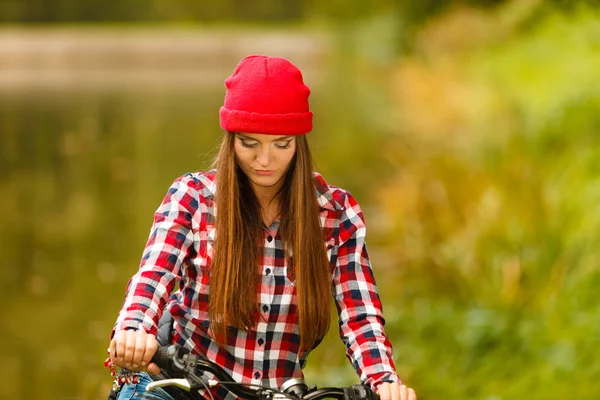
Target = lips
(264,172)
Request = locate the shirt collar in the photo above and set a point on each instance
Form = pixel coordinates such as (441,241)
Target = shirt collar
(325,195)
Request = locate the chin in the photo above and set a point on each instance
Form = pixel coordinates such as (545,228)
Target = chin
(265,182)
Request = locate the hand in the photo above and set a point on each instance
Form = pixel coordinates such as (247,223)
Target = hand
(134,350)
(395,391)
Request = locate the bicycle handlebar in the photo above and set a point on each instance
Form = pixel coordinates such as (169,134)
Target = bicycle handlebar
(178,363)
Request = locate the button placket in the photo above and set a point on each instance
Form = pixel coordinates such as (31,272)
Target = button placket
(259,351)
(268,271)
(266,299)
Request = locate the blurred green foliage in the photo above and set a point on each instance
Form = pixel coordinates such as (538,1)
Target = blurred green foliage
(493,212)
(474,155)
(226,10)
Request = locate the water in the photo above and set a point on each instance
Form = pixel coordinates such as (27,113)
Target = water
(83,173)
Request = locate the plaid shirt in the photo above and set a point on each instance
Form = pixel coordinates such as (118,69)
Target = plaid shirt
(179,249)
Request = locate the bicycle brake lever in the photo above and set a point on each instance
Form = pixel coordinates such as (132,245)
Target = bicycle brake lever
(180,383)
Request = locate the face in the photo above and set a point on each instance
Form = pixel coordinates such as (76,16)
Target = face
(264,159)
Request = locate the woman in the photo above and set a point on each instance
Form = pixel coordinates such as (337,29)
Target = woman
(269,240)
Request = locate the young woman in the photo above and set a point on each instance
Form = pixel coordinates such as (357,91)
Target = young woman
(257,247)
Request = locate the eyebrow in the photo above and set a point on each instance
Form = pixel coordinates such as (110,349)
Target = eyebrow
(244,137)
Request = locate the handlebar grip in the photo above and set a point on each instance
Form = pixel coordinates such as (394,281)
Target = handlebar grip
(161,357)
(360,392)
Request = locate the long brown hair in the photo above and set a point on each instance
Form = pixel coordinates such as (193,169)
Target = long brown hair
(238,246)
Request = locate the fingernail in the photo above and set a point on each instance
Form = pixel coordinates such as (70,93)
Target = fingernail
(143,363)
(121,359)
(128,365)
(135,365)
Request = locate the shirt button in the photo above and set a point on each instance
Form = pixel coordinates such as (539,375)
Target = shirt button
(267,271)
(256,375)
(269,238)
(261,341)
(265,308)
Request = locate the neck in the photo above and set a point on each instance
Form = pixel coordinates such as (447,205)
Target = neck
(267,195)
(269,202)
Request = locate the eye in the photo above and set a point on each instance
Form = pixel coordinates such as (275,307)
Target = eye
(284,145)
(247,145)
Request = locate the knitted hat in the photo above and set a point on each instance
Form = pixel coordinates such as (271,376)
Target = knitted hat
(266,95)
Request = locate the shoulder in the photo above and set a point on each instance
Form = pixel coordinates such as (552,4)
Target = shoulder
(332,197)
(344,206)
(200,185)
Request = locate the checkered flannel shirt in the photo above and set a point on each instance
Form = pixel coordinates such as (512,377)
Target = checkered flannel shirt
(179,250)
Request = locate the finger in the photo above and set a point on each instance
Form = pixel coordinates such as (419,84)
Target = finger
(112,349)
(384,391)
(395,391)
(411,394)
(119,346)
(403,392)
(151,347)
(129,348)
(140,349)
(153,369)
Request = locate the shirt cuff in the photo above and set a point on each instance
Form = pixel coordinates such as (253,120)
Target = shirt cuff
(377,379)
(133,325)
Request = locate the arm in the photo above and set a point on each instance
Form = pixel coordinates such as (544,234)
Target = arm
(360,315)
(170,239)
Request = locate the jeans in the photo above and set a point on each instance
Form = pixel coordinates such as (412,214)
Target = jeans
(137,391)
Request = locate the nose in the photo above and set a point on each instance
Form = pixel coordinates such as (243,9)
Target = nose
(264,156)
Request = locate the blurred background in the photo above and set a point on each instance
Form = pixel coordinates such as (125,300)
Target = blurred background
(466,130)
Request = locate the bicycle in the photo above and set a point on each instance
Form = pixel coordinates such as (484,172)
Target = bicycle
(185,370)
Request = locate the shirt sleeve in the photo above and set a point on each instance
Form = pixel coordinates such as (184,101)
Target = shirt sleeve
(359,307)
(168,245)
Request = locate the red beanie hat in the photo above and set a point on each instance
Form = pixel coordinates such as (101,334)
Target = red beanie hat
(266,95)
